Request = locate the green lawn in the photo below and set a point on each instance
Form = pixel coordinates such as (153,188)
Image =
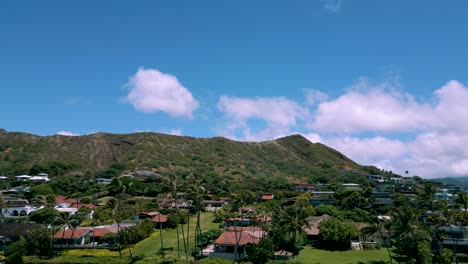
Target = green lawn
(318,256)
(150,247)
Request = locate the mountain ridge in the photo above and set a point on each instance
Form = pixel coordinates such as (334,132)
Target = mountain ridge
(292,155)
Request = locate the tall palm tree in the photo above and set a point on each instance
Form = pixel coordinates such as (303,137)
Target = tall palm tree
(174,199)
(413,239)
(293,220)
(160,229)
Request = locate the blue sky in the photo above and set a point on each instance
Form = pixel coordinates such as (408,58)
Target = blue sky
(384,82)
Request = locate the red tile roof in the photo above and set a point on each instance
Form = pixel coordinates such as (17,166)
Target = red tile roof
(160,219)
(72,234)
(267,196)
(245,237)
(64,199)
(245,228)
(102,231)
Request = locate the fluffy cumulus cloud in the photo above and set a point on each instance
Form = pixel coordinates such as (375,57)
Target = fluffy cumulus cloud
(436,144)
(67,133)
(153,91)
(372,108)
(279,114)
(372,124)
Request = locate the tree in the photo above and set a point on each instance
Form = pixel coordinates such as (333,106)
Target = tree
(411,240)
(293,220)
(262,252)
(44,215)
(336,234)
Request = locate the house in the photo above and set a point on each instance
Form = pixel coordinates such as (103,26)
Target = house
(183,205)
(376,178)
(103,181)
(267,197)
(319,198)
(237,221)
(457,238)
(381,199)
(41,177)
(64,202)
(98,234)
(17,207)
(22,177)
(313,230)
(396,180)
(72,236)
(71,206)
(444,194)
(303,187)
(155,217)
(225,245)
(350,187)
(211,205)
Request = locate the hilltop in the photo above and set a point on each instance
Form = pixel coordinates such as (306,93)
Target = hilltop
(291,156)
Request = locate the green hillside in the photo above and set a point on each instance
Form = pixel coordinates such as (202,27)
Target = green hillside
(292,156)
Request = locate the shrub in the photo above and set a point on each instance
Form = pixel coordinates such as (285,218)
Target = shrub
(14,258)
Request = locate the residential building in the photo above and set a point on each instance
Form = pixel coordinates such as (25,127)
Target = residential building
(319,198)
(303,187)
(225,245)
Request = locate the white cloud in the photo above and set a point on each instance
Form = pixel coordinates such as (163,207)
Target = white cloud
(67,133)
(332,5)
(314,96)
(279,114)
(376,109)
(373,124)
(151,91)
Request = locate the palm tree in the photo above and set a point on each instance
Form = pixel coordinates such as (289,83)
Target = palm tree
(293,220)
(174,193)
(412,240)
(160,229)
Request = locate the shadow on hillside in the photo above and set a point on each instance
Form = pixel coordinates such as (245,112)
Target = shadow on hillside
(374,262)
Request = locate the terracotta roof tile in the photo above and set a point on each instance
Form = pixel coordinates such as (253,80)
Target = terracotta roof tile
(72,234)
(244,237)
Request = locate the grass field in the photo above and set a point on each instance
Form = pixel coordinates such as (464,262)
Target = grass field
(147,249)
(318,256)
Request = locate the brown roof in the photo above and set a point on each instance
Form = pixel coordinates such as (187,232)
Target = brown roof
(245,228)
(314,222)
(267,196)
(244,238)
(283,253)
(64,199)
(72,234)
(159,219)
(102,231)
